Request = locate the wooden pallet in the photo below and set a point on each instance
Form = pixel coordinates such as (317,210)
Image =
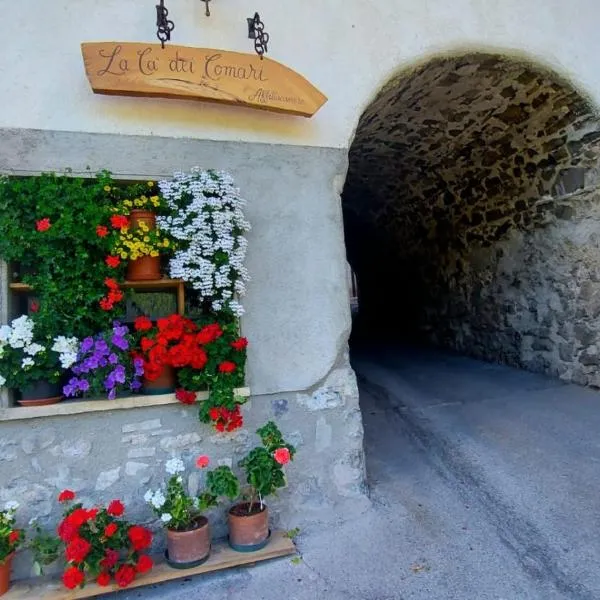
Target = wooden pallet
(222,557)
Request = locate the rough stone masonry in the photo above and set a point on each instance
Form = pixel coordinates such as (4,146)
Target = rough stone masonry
(473,189)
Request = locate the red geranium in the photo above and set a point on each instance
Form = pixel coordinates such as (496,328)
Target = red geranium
(144,563)
(110,530)
(202,461)
(213,413)
(199,359)
(110,559)
(66,495)
(125,575)
(185,397)
(77,550)
(225,419)
(112,261)
(14,536)
(115,508)
(226,367)
(140,537)
(282,456)
(103,579)
(73,577)
(142,324)
(43,224)
(101,231)
(119,221)
(239,344)
(209,333)
(66,530)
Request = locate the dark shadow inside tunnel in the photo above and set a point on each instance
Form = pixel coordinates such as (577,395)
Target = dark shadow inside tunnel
(472,215)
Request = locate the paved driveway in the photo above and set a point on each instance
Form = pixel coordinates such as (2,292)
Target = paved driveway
(484,485)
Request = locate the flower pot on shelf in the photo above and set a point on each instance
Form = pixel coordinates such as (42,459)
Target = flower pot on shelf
(164,384)
(41,393)
(147,217)
(248,531)
(145,268)
(5,568)
(188,549)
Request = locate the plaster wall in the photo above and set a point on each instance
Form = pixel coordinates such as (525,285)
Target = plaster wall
(348,49)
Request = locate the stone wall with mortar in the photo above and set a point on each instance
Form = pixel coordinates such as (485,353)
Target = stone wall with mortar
(471,189)
(297,321)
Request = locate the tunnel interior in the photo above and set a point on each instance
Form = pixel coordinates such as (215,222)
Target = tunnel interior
(472,214)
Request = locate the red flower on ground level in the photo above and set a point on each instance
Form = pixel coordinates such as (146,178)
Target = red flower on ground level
(110,559)
(142,324)
(66,530)
(227,367)
(14,536)
(140,537)
(225,419)
(66,495)
(213,413)
(202,461)
(103,579)
(77,550)
(144,563)
(110,530)
(282,456)
(101,231)
(112,261)
(43,224)
(239,344)
(185,397)
(119,221)
(116,508)
(125,575)
(73,577)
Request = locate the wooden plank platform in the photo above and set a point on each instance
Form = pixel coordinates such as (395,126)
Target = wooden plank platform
(222,557)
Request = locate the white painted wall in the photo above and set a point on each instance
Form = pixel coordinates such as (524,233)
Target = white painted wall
(347,48)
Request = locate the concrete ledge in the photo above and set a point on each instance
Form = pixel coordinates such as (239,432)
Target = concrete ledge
(75,407)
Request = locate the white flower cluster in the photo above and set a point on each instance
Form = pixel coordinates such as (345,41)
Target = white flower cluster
(19,336)
(157,498)
(209,227)
(67,350)
(10,507)
(174,466)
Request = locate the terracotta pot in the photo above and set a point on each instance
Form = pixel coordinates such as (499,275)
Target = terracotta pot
(41,393)
(165,384)
(5,574)
(145,216)
(144,269)
(248,532)
(189,547)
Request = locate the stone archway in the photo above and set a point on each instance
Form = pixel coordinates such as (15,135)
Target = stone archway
(472,214)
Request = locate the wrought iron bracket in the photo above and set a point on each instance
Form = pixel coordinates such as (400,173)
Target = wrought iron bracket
(163,24)
(256,32)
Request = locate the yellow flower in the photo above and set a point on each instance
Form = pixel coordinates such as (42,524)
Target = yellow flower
(138,202)
(150,183)
(123,255)
(107,188)
(166,243)
(154,198)
(128,203)
(154,253)
(143,226)
(146,239)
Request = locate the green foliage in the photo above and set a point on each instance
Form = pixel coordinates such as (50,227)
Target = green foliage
(292,533)
(45,548)
(221,482)
(264,474)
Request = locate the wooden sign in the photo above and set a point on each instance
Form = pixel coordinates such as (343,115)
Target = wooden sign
(132,69)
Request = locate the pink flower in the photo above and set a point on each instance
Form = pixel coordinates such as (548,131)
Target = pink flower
(282,456)
(202,462)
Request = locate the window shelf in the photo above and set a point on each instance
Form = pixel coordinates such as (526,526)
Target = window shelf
(152,285)
(75,407)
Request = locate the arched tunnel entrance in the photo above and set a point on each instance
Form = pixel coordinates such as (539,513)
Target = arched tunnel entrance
(472,215)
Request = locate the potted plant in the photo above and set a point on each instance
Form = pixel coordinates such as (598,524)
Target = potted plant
(105,365)
(249,520)
(52,233)
(100,545)
(33,364)
(137,238)
(169,344)
(223,372)
(207,223)
(188,531)
(10,539)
